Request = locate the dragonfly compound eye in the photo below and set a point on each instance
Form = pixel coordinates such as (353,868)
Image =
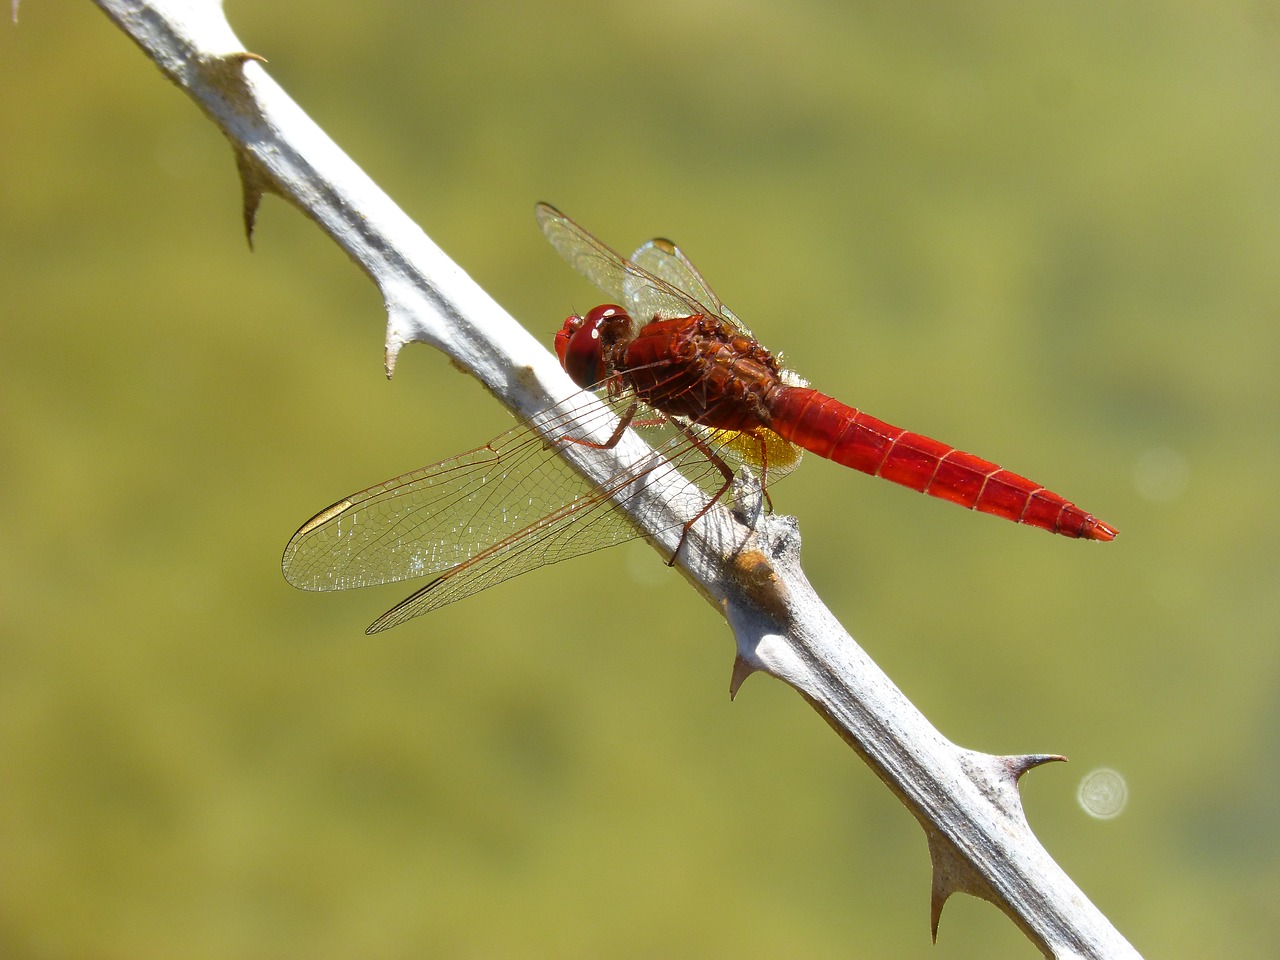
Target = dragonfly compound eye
(580,348)
(571,326)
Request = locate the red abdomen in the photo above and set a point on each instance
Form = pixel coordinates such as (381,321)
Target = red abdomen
(838,432)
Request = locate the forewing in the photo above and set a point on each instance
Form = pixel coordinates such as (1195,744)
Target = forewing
(646,296)
(427,521)
(666,261)
(483,517)
(580,526)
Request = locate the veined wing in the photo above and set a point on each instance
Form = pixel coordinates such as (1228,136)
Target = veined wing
(476,519)
(427,521)
(661,258)
(631,285)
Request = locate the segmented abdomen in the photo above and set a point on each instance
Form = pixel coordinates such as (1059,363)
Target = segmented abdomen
(831,429)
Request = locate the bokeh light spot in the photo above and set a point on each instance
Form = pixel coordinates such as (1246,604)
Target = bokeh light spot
(1103,794)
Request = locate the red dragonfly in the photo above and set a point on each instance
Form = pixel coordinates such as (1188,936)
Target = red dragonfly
(668,354)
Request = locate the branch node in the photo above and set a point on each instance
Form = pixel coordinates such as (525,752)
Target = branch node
(224,73)
(401,324)
(952,873)
(254,182)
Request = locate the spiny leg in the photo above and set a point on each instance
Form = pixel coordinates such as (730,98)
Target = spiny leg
(720,465)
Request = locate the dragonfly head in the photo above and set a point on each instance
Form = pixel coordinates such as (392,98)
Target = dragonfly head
(580,347)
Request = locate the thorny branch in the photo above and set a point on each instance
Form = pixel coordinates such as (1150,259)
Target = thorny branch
(967,802)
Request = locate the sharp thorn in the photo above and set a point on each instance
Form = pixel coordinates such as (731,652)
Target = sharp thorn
(941,883)
(741,670)
(937,901)
(1018,765)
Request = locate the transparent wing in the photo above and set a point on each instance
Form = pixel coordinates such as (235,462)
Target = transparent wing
(502,509)
(442,515)
(643,293)
(479,518)
(664,260)
(582,525)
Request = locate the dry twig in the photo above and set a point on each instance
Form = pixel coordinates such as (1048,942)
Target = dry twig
(967,802)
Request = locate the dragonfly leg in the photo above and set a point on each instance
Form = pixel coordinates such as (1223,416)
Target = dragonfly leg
(764,471)
(628,419)
(623,423)
(723,467)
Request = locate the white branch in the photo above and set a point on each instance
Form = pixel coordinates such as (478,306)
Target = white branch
(967,802)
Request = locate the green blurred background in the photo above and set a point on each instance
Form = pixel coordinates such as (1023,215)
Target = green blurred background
(1047,233)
